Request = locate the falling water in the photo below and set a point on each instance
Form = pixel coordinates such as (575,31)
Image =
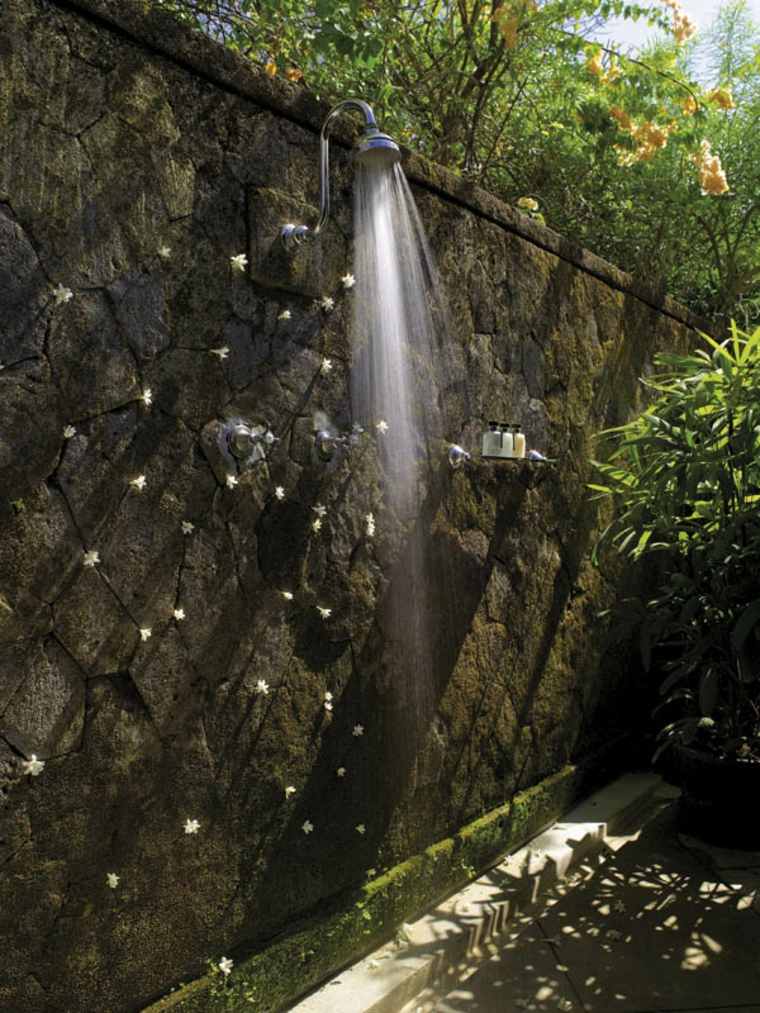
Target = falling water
(399,322)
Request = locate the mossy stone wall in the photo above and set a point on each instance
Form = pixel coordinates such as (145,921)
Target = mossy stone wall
(121,134)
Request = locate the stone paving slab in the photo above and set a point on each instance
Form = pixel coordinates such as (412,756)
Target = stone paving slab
(648,927)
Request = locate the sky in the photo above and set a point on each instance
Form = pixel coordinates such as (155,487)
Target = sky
(629,33)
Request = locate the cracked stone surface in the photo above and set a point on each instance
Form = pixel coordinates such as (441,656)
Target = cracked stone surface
(110,152)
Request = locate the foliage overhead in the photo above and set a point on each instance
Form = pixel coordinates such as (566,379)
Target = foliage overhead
(519,97)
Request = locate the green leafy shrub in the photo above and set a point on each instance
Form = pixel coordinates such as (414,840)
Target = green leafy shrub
(685,480)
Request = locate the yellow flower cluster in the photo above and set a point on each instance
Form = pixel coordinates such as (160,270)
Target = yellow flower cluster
(712,178)
(594,66)
(722,98)
(683,27)
(690,106)
(527,204)
(649,137)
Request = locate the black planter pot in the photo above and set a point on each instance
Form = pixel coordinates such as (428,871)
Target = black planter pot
(719,798)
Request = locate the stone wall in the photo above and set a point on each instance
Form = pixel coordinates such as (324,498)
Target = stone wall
(121,134)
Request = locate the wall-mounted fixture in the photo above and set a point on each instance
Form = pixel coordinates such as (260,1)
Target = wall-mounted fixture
(327,442)
(503,440)
(457,456)
(372,148)
(247,444)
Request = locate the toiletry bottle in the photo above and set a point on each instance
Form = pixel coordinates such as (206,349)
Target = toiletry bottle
(518,438)
(491,444)
(507,446)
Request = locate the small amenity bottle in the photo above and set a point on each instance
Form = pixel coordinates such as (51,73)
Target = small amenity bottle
(507,446)
(518,438)
(491,443)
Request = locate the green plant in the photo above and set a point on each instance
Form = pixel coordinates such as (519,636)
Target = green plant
(685,480)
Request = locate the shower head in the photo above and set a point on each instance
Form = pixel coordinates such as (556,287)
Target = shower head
(373,148)
(376,149)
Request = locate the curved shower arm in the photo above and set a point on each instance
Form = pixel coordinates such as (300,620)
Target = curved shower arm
(296,234)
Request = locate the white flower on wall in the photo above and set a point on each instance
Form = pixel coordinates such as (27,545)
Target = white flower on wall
(348,281)
(326,366)
(179,614)
(382,426)
(62,295)
(112,879)
(285,315)
(138,483)
(360,828)
(370,518)
(91,557)
(279,492)
(145,633)
(239,262)
(68,432)
(358,730)
(290,790)
(287,595)
(316,524)
(324,612)
(307,826)
(262,687)
(222,352)
(34,767)
(341,772)
(192,826)
(147,397)
(232,481)
(164,252)
(225,965)
(187,527)
(327,303)
(319,510)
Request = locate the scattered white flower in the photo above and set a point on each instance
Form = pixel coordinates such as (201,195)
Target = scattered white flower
(33,766)
(327,303)
(706,723)
(225,965)
(619,907)
(139,482)
(232,481)
(370,518)
(319,510)
(179,614)
(565,1005)
(316,524)
(382,426)
(372,873)
(91,558)
(358,730)
(222,352)
(113,879)
(164,252)
(146,633)
(290,790)
(328,706)
(360,828)
(348,281)
(239,263)
(187,527)
(262,687)
(62,295)
(147,396)
(341,771)
(285,315)
(287,595)
(325,613)
(307,827)
(325,366)
(328,696)
(68,432)
(279,492)
(192,826)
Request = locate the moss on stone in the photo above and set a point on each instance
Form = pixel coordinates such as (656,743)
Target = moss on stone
(363,919)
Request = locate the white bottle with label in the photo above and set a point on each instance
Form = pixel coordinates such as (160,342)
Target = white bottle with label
(518,439)
(491,443)
(507,446)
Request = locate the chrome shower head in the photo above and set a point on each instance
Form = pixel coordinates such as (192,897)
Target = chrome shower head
(375,148)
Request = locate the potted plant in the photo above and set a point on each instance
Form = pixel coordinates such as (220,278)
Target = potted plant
(684,478)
